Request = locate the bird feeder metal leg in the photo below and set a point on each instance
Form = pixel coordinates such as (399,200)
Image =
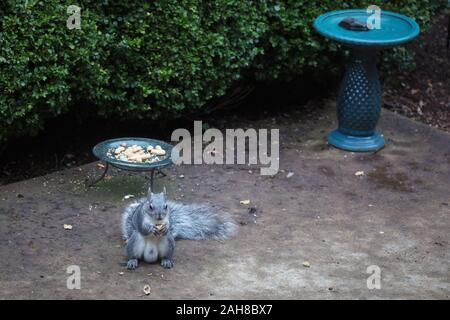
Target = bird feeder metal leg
(152,177)
(99,178)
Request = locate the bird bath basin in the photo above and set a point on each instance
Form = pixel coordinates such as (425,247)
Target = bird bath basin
(359,100)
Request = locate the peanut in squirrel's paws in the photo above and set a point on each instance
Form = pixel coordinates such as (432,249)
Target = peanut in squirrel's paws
(132,264)
(161,229)
(166,263)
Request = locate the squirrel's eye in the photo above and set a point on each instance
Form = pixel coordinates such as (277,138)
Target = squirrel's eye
(150,206)
(165,207)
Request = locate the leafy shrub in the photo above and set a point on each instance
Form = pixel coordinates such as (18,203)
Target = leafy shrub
(167,56)
(45,67)
(150,59)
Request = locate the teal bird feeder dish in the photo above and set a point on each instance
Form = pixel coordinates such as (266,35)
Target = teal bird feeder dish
(102,150)
(359,100)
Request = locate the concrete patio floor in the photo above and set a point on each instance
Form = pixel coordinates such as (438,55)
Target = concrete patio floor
(395,216)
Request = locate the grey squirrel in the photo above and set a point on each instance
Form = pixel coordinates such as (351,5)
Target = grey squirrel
(151,225)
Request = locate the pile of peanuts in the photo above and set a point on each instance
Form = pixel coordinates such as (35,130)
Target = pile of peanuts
(137,153)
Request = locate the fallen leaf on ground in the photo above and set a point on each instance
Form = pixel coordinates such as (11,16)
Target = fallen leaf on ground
(244,202)
(128,196)
(359,173)
(68,227)
(100,165)
(121,273)
(147,289)
(289,175)
(306,264)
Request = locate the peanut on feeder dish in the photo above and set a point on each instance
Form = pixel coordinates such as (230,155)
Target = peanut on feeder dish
(136,153)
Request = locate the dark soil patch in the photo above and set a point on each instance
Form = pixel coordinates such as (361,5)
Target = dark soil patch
(424,94)
(397,181)
(327,171)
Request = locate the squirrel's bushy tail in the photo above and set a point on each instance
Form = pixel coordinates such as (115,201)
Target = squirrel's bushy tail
(127,217)
(200,222)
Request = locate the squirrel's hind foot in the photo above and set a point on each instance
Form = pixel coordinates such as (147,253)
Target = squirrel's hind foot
(132,264)
(167,263)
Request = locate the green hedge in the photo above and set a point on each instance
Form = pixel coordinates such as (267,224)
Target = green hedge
(150,59)
(165,57)
(45,68)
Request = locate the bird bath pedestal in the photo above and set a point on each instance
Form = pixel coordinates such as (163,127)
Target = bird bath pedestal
(359,100)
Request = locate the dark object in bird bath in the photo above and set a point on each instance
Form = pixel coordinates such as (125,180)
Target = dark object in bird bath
(350,23)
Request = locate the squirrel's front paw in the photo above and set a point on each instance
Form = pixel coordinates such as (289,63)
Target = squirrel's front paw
(166,263)
(132,264)
(150,229)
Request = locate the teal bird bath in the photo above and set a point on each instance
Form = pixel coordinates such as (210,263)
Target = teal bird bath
(359,100)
